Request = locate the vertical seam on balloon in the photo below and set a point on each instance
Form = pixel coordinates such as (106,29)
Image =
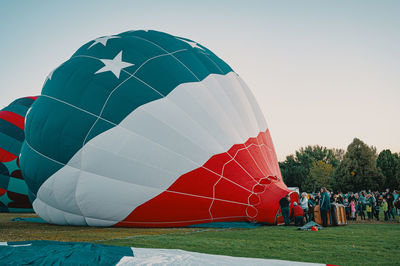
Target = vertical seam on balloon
(271,151)
(241,165)
(272,169)
(268,149)
(217,104)
(213,197)
(263,155)
(174,129)
(254,160)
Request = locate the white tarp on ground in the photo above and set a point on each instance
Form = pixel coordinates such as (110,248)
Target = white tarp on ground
(149,256)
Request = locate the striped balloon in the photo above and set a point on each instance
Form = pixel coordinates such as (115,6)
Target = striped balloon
(147,129)
(13,189)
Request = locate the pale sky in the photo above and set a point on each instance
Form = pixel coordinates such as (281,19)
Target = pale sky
(323,72)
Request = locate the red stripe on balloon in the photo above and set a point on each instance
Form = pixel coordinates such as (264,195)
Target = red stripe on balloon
(242,184)
(6,156)
(13,118)
(32,97)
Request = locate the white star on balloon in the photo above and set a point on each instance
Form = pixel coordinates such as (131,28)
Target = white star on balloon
(193,44)
(102,40)
(114,65)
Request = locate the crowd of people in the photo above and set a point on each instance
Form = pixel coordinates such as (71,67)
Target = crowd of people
(361,205)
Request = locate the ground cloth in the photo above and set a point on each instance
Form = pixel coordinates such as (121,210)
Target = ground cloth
(226,225)
(30,220)
(60,253)
(206,225)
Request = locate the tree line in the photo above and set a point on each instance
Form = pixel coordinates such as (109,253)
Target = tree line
(358,168)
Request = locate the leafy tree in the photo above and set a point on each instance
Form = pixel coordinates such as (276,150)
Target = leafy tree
(293,171)
(389,163)
(296,168)
(311,154)
(358,169)
(321,175)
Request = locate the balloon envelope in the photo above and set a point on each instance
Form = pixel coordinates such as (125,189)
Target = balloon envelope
(13,189)
(147,129)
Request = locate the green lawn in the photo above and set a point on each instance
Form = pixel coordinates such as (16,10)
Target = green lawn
(361,243)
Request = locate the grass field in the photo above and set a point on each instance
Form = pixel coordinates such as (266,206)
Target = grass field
(361,243)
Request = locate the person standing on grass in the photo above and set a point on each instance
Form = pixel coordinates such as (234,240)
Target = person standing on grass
(397,206)
(311,205)
(352,197)
(369,211)
(353,210)
(363,204)
(389,200)
(385,208)
(285,203)
(372,201)
(395,195)
(377,207)
(304,205)
(340,198)
(325,206)
(357,205)
(360,207)
(346,205)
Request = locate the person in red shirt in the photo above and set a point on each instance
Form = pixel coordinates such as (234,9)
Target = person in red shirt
(298,214)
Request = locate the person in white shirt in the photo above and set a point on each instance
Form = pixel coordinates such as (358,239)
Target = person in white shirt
(304,204)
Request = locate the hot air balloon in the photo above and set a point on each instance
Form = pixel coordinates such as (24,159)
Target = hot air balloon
(13,189)
(146,129)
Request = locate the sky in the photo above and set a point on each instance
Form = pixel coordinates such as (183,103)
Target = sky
(323,72)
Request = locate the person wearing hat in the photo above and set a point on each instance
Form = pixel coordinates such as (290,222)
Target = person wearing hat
(285,203)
